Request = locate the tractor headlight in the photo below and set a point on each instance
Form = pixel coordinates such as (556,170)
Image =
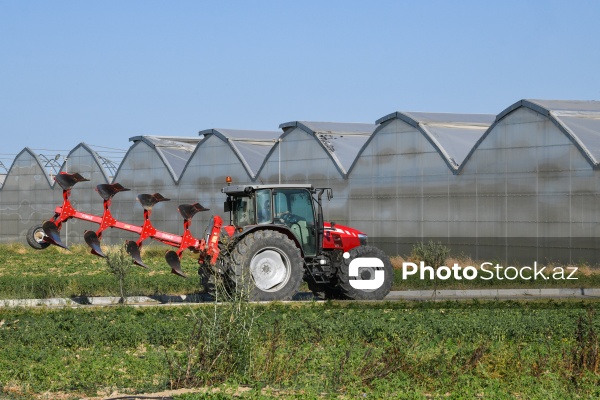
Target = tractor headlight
(363,239)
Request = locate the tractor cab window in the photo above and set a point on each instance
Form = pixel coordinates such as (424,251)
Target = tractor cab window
(263,205)
(243,211)
(293,207)
(301,205)
(281,203)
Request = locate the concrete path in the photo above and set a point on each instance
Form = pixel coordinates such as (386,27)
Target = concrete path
(422,295)
(492,294)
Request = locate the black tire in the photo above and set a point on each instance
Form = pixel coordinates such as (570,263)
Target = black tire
(349,291)
(35,237)
(265,266)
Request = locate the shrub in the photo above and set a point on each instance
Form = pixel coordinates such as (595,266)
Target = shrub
(432,254)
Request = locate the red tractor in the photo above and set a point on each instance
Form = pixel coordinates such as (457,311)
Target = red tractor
(276,238)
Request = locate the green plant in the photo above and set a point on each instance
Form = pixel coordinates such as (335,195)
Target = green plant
(432,254)
(119,264)
(220,344)
(496,349)
(584,354)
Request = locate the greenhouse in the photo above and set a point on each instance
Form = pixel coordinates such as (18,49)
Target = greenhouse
(221,153)
(520,184)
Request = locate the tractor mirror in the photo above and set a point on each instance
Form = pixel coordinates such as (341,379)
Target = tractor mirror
(227,206)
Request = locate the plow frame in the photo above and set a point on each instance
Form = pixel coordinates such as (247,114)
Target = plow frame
(208,248)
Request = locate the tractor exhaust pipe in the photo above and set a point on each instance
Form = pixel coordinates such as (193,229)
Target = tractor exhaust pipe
(320,219)
(320,222)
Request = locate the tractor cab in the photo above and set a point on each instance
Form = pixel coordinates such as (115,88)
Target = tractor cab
(277,206)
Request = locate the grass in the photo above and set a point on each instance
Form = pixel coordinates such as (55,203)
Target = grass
(541,349)
(314,350)
(54,272)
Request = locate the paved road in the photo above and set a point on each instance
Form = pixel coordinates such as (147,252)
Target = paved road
(481,294)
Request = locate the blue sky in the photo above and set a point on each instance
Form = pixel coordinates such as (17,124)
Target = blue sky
(102,72)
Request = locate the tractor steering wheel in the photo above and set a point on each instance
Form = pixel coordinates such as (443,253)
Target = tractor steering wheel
(289,218)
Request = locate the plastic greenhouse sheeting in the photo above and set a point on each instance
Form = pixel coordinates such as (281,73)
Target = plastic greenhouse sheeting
(343,141)
(175,151)
(579,119)
(251,146)
(453,134)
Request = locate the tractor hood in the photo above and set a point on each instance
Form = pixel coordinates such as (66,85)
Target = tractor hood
(340,237)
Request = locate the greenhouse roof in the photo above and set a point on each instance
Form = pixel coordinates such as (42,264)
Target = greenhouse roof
(452,135)
(251,147)
(106,167)
(341,140)
(174,151)
(579,120)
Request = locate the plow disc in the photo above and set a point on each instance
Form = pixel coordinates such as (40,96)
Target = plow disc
(208,250)
(174,262)
(133,249)
(52,234)
(67,181)
(107,191)
(92,240)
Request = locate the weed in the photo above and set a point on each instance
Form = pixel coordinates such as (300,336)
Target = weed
(584,354)
(220,344)
(119,264)
(432,254)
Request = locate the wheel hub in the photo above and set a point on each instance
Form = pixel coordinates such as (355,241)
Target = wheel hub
(270,269)
(39,236)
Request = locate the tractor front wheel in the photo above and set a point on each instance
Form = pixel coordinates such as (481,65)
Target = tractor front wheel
(35,237)
(266,265)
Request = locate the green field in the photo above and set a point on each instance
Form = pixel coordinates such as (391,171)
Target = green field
(542,350)
(54,272)
(315,350)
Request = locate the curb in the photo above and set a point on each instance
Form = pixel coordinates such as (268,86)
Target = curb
(581,293)
(164,300)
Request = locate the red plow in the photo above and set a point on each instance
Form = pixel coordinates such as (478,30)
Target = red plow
(208,247)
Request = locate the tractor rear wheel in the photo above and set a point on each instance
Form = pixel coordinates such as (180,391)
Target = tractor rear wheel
(266,265)
(35,237)
(347,283)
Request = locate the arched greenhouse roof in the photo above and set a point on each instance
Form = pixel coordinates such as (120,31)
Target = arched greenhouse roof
(251,147)
(579,120)
(174,151)
(36,158)
(452,135)
(341,140)
(95,156)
